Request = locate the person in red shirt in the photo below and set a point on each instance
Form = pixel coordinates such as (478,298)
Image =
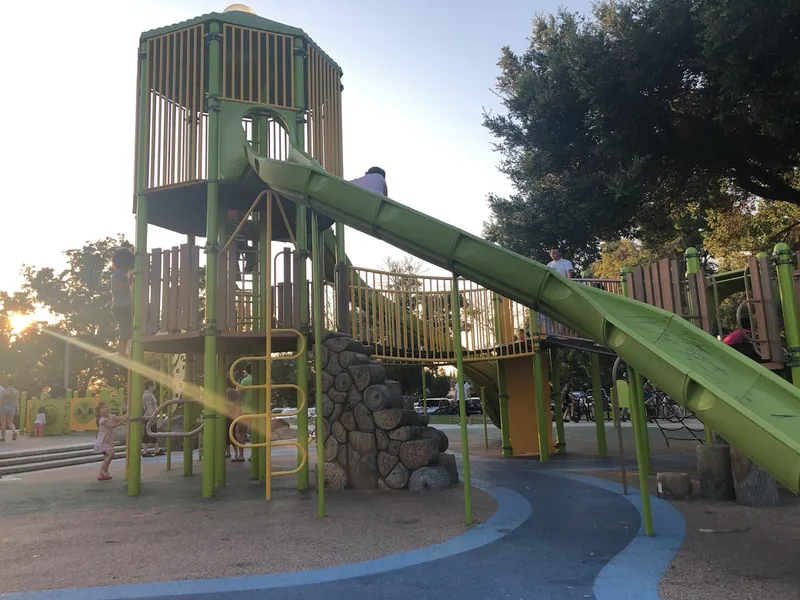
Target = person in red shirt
(740,340)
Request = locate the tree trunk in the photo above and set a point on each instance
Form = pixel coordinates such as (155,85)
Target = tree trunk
(365,375)
(714,470)
(419,453)
(405,433)
(383,439)
(386,462)
(364,420)
(331,449)
(343,382)
(348,420)
(392,418)
(674,486)
(398,478)
(754,486)
(342,344)
(335,476)
(339,432)
(438,434)
(431,478)
(351,359)
(376,397)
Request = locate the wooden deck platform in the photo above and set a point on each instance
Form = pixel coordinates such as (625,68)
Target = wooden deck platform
(236,343)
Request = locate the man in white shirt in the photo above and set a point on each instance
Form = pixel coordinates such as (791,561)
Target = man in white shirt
(374,181)
(562,265)
(466,392)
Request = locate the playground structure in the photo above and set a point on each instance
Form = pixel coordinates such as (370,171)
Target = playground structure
(239,113)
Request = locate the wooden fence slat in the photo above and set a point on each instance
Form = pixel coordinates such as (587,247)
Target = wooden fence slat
(166,290)
(759,310)
(154,320)
(770,310)
(665,283)
(184,275)
(693,312)
(678,290)
(631,284)
(175,287)
(705,322)
(638,284)
(648,286)
(655,277)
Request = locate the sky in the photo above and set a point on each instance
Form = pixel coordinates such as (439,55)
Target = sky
(417,75)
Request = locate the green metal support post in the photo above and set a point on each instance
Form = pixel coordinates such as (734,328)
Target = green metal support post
(316,269)
(555,380)
(163,397)
(136,384)
(599,413)
(257,428)
(502,390)
(542,406)
(642,458)
(483,414)
(784,265)
(424,392)
(301,256)
(693,266)
(462,402)
(221,465)
(188,413)
(637,398)
(211,416)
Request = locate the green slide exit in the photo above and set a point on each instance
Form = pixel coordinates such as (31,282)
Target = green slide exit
(750,406)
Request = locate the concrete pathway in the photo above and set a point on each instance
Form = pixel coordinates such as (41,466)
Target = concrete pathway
(555,536)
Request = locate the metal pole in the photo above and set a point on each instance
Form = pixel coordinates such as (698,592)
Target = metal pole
(483,414)
(210,414)
(693,266)
(637,396)
(133,460)
(618,425)
(555,379)
(784,265)
(424,391)
(599,413)
(538,386)
(188,443)
(301,237)
(316,269)
(502,390)
(641,459)
(462,402)
(165,368)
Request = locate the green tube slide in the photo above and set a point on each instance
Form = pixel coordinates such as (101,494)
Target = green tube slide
(748,405)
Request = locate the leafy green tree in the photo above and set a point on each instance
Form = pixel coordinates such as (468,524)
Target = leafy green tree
(748,227)
(79,299)
(648,114)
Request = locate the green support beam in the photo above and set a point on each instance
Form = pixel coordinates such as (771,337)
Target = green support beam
(462,401)
(784,262)
(555,380)
(212,418)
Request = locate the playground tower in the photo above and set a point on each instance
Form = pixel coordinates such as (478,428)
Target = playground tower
(203,87)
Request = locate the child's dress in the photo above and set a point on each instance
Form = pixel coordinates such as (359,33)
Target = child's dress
(105,436)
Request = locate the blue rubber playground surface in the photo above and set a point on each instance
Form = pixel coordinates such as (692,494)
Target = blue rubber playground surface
(556,535)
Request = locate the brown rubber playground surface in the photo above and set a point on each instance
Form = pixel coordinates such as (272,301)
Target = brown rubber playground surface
(62,528)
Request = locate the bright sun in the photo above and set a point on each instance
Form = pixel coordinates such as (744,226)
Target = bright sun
(20,322)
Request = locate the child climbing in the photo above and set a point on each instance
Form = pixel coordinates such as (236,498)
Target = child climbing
(374,180)
(40,422)
(106,424)
(233,408)
(121,298)
(149,406)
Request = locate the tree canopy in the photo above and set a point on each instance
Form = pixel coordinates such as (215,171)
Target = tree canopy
(641,119)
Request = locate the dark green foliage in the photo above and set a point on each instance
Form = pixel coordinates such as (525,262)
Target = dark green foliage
(637,121)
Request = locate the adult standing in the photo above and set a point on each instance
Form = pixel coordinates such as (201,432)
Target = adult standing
(560,264)
(9,400)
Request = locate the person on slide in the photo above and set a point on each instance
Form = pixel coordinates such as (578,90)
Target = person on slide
(374,181)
